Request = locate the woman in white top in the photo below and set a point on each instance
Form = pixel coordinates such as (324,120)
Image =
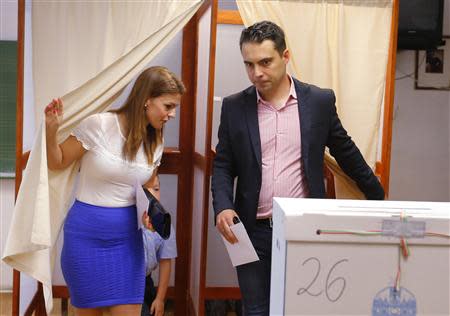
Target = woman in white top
(103,257)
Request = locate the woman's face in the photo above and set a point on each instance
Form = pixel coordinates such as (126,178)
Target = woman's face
(161,109)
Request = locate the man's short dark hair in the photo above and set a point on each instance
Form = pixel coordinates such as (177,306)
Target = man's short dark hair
(261,31)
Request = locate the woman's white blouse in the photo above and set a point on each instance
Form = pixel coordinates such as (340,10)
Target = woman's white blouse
(106,178)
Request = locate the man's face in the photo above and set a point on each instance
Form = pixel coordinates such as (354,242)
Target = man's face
(265,67)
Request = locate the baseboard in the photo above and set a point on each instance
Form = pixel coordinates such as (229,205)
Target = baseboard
(222,293)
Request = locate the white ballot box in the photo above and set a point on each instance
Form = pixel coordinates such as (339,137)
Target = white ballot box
(348,257)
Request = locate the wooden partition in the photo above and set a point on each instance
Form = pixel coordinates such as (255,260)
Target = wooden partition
(384,169)
(19,131)
(202,155)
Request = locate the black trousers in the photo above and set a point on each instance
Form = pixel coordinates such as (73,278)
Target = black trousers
(149,296)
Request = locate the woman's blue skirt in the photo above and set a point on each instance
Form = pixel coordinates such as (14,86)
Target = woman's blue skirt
(102,259)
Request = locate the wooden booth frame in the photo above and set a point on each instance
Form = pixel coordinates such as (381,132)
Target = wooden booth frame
(181,161)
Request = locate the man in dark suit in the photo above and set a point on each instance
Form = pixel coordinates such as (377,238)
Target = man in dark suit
(272,138)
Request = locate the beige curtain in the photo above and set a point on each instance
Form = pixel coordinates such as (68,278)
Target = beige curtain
(86,52)
(342,45)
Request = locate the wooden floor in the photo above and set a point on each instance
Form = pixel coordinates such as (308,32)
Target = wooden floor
(6,298)
(5,306)
(6,301)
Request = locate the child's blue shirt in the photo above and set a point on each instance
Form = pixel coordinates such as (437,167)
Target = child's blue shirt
(157,248)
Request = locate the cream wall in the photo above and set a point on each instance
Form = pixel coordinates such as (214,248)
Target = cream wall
(420,140)
(420,168)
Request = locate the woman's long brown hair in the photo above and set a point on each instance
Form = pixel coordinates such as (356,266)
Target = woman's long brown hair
(151,83)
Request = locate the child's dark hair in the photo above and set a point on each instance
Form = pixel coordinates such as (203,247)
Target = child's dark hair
(261,31)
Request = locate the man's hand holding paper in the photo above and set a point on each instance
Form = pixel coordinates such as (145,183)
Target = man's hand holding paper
(223,222)
(235,238)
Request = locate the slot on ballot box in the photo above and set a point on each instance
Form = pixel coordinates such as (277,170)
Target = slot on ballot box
(354,257)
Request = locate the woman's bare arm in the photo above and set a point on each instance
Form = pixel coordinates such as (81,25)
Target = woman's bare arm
(59,156)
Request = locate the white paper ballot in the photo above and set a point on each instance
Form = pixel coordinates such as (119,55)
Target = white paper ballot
(243,251)
(142,203)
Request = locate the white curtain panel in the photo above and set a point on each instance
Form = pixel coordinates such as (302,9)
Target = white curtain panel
(342,45)
(86,52)
(76,41)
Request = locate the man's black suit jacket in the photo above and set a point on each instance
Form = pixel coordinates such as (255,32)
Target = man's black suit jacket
(238,153)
